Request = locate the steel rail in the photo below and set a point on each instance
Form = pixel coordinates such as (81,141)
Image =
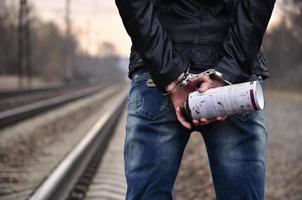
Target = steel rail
(17,114)
(14,93)
(30,91)
(60,183)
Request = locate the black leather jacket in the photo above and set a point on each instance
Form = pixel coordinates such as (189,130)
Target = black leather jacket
(168,36)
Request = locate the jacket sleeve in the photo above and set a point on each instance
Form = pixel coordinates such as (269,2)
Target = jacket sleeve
(151,41)
(244,38)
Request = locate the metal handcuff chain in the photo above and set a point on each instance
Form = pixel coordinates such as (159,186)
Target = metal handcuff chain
(188,77)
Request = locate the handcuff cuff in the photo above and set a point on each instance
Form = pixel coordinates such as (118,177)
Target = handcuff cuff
(188,77)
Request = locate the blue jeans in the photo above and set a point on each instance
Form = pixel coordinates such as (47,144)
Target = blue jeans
(155,142)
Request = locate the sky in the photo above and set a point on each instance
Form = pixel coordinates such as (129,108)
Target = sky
(96,21)
(93,22)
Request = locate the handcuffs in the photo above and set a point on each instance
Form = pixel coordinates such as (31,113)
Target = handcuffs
(188,77)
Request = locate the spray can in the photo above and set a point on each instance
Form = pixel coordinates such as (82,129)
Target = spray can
(225,100)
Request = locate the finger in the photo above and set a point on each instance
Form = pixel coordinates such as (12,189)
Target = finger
(204,87)
(204,121)
(206,78)
(206,83)
(195,122)
(199,79)
(181,119)
(221,118)
(183,122)
(195,84)
(198,122)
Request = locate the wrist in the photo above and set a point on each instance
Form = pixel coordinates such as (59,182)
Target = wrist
(174,83)
(217,76)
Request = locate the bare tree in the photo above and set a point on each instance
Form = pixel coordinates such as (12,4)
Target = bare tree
(284,49)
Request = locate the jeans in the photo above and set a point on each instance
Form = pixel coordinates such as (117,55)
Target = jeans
(155,142)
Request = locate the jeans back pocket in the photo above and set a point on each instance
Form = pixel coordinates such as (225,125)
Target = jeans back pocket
(150,102)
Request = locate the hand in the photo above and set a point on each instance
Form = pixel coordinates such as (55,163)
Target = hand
(207,84)
(201,84)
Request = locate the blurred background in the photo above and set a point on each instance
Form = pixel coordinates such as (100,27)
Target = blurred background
(82,44)
(59,42)
(65,41)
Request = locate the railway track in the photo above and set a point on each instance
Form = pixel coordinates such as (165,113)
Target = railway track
(16,93)
(73,175)
(90,172)
(4,94)
(11,116)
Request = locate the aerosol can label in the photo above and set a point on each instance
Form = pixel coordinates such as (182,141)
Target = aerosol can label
(225,100)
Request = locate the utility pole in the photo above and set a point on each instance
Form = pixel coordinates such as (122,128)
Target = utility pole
(20,42)
(67,46)
(27,46)
(23,45)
